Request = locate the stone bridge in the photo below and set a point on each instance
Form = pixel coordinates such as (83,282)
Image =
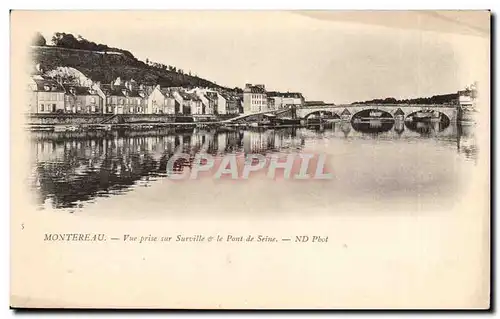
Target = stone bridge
(347,112)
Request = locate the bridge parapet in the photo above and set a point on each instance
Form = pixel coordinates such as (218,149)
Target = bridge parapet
(346,111)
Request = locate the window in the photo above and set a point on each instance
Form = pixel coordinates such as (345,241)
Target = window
(131,110)
(67,98)
(41,108)
(92,100)
(121,101)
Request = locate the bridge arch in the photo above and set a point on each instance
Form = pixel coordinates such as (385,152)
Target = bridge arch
(322,114)
(428,115)
(427,122)
(371,113)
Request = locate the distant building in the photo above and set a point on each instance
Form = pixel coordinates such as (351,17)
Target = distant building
(254,99)
(189,103)
(195,103)
(286,99)
(82,99)
(271,106)
(467,98)
(229,103)
(46,96)
(169,105)
(181,102)
(209,99)
(161,101)
(127,98)
(218,101)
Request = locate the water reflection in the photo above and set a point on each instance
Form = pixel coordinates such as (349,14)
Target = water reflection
(76,167)
(375,126)
(428,127)
(466,141)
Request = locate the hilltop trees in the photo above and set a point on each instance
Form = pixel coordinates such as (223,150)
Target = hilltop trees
(101,63)
(67,40)
(436,99)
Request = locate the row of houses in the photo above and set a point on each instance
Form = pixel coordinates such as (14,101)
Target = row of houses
(67,90)
(47,95)
(256,99)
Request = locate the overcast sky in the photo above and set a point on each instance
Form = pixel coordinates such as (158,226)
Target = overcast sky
(331,61)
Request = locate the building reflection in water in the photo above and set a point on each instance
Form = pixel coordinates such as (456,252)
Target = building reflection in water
(74,167)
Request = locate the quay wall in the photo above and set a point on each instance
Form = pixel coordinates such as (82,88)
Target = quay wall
(54,119)
(88,119)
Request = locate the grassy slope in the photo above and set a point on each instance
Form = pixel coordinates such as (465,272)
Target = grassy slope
(107,67)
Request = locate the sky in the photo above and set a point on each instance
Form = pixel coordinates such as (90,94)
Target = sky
(333,61)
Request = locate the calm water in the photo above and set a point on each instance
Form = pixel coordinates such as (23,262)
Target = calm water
(377,163)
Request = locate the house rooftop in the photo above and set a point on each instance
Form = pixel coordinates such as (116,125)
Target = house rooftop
(79,90)
(48,85)
(296,95)
(167,92)
(122,90)
(258,88)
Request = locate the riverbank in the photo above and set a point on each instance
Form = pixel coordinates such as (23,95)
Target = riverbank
(74,122)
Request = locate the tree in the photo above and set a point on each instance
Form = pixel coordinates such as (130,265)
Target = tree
(65,40)
(39,40)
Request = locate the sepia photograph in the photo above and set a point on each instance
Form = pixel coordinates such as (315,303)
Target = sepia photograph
(250,159)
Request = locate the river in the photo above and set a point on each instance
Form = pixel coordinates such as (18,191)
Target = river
(388,166)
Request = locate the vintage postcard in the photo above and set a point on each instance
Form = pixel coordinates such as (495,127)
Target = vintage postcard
(250,159)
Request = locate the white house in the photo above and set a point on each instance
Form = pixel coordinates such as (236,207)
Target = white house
(254,99)
(155,103)
(208,100)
